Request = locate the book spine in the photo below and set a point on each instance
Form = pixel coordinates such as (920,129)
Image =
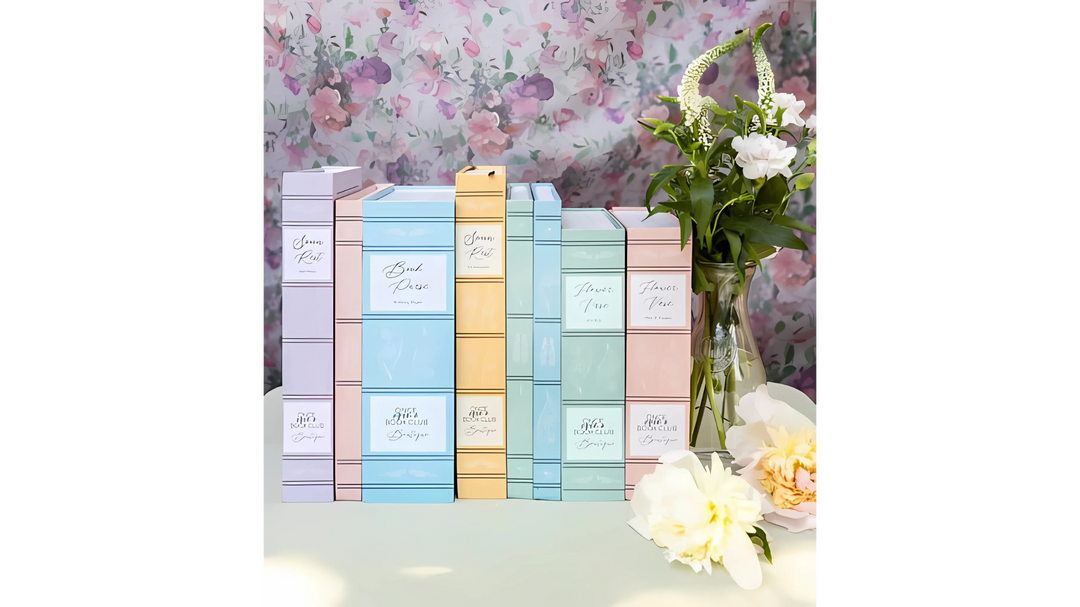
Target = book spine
(519,343)
(408,351)
(593,370)
(480,251)
(658,357)
(307,349)
(547,350)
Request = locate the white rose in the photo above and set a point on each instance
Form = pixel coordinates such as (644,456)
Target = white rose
(763,156)
(811,123)
(792,108)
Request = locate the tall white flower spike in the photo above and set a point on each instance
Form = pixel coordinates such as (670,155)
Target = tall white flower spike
(691,102)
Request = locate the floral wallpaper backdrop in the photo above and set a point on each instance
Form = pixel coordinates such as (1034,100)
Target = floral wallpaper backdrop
(412,90)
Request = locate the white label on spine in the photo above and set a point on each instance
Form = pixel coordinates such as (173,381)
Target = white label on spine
(594,434)
(479,249)
(479,421)
(656,429)
(593,302)
(308,254)
(657,300)
(407,283)
(408,424)
(308,427)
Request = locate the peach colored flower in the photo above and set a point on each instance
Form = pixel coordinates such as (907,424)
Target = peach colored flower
(799,86)
(382,13)
(485,138)
(326,111)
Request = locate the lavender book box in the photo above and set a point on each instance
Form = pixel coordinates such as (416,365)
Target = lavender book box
(307,328)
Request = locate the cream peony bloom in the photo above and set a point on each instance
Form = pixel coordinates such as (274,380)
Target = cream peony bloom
(762,156)
(700,515)
(811,123)
(777,449)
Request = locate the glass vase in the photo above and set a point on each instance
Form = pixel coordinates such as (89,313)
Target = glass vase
(726,364)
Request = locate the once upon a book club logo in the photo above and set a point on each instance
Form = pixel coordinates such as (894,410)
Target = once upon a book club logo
(308,428)
(405,416)
(586,294)
(307,256)
(407,274)
(478,414)
(660,298)
(593,432)
(481,247)
(656,422)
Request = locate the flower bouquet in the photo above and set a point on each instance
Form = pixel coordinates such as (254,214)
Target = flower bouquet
(730,200)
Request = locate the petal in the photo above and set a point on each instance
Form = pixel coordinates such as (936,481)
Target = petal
(795,525)
(641,526)
(685,460)
(741,561)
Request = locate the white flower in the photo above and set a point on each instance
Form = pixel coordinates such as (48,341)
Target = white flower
(700,515)
(811,123)
(792,108)
(777,449)
(763,156)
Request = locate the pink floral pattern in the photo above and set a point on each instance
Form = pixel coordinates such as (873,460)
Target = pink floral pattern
(414,89)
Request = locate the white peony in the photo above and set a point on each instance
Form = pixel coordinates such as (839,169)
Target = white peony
(700,515)
(811,123)
(763,156)
(792,108)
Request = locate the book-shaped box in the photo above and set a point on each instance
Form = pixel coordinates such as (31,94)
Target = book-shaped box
(593,356)
(658,357)
(348,331)
(480,250)
(547,334)
(519,343)
(307,329)
(408,345)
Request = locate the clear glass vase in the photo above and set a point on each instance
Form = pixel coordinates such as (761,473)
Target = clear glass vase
(727,364)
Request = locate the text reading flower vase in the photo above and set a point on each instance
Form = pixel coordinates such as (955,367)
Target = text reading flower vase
(726,360)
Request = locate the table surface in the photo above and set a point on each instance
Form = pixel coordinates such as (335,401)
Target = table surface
(494,552)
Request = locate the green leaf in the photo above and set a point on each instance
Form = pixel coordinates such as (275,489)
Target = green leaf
(771,195)
(487,19)
(795,224)
(651,18)
(758,229)
(668,99)
(330,160)
(811,355)
(348,56)
(811,148)
(660,179)
(355,137)
(509,60)
(803,181)
(348,37)
(735,244)
(700,282)
(789,354)
(758,537)
(371,136)
(316,165)
(788,370)
(797,316)
(503,10)
(517,160)
(686,231)
(510,76)
(701,200)
(672,53)
(582,154)
(779,328)
(369,42)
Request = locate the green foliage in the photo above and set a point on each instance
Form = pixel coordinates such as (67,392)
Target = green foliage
(724,215)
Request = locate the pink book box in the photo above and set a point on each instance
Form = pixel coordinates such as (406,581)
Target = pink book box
(658,357)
